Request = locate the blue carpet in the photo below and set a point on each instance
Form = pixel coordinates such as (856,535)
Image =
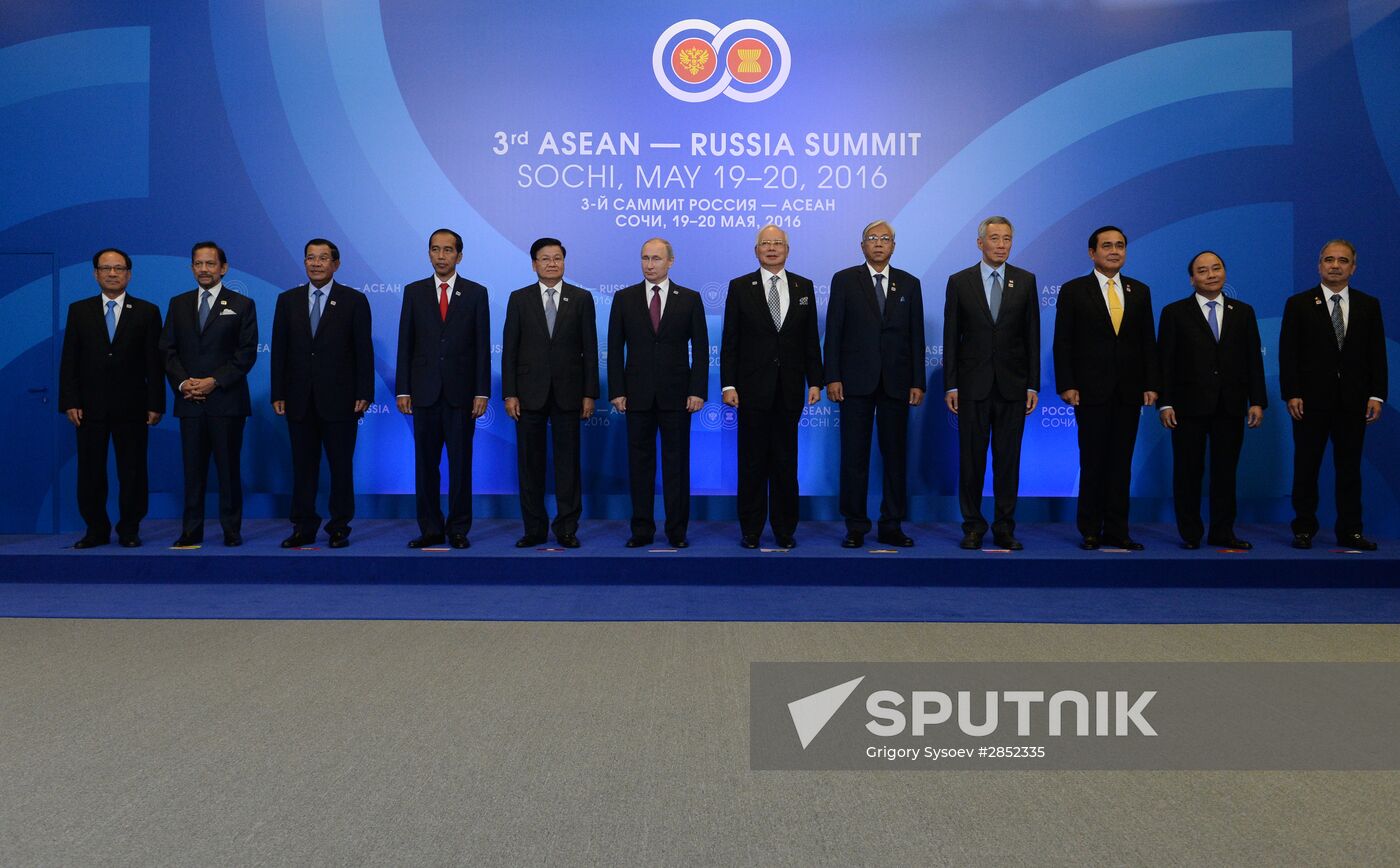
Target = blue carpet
(378,578)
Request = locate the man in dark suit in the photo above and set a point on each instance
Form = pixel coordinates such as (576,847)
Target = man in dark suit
(658,374)
(770,350)
(874,369)
(1106,368)
(322,381)
(110,387)
(991,378)
(1212,385)
(210,342)
(443,380)
(549,377)
(1332,369)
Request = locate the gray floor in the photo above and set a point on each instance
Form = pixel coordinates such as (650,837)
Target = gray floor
(307,743)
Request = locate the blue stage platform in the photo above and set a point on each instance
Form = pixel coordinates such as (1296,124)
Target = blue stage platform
(714,579)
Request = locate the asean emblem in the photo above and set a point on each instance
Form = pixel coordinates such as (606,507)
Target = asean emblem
(695,60)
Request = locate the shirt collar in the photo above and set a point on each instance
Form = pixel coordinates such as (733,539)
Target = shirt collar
(213,290)
(870,268)
(451,282)
(558,287)
(781,274)
(120,300)
(1203,301)
(1103,279)
(1344,292)
(665,286)
(987,271)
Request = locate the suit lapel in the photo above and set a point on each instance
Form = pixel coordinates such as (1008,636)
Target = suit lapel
(760,284)
(978,288)
(537,306)
(123,320)
(673,296)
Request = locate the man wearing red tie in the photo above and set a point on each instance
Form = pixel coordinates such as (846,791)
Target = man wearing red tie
(443,380)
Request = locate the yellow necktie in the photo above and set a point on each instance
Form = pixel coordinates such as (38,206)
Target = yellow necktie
(1115,306)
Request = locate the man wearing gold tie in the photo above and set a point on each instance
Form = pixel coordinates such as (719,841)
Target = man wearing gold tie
(1106,368)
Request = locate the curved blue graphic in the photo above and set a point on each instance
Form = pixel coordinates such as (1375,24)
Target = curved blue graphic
(1375,33)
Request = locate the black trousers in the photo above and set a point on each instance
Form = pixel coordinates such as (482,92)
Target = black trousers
(768,468)
(129,441)
(1223,435)
(310,436)
(859,413)
(1345,426)
(999,422)
(530,449)
(1107,434)
(222,438)
(642,429)
(436,426)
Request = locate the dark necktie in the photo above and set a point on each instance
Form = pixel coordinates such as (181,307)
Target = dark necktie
(880,292)
(656,308)
(775,307)
(316,312)
(995,301)
(1339,326)
(204,309)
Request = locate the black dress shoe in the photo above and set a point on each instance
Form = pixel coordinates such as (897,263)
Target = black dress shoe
(1358,542)
(296,540)
(187,540)
(853,540)
(1007,541)
(971,541)
(91,542)
(568,540)
(459,541)
(130,542)
(636,542)
(748,541)
(1190,544)
(427,540)
(1302,540)
(681,543)
(896,538)
(787,542)
(1090,543)
(528,542)
(1127,543)
(233,540)
(340,539)
(1231,542)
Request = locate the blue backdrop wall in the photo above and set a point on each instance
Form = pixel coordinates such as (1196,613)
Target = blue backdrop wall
(1259,129)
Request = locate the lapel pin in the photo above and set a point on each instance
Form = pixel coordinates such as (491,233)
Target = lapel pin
(224,302)
(332,302)
(458,293)
(1229,307)
(128,306)
(1317,301)
(1010,283)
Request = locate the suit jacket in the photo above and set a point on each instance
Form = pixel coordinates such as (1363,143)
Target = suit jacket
(1090,357)
(649,367)
(1312,368)
(444,360)
(978,352)
(533,362)
(335,366)
(864,349)
(760,360)
(1201,376)
(226,350)
(120,379)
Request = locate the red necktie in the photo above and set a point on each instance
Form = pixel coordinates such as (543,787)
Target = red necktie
(442,301)
(656,308)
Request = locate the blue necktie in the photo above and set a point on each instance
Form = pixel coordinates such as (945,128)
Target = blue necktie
(315,312)
(1210,318)
(995,301)
(204,309)
(111,320)
(550,311)
(880,292)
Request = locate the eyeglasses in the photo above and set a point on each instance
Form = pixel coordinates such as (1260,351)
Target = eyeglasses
(885,238)
(768,245)
(112,269)
(549,260)
(321,258)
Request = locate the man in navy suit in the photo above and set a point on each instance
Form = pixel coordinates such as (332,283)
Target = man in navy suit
(210,342)
(991,378)
(1212,379)
(322,381)
(1332,370)
(658,374)
(443,381)
(1106,369)
(110,387)
(874,369)
(769,352)
(549,377)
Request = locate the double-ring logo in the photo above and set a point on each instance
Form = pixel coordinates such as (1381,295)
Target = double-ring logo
(695,60)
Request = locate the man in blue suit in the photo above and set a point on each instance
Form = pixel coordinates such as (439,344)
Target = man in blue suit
(210,343)
(874,366)
(322,381)
(443,380)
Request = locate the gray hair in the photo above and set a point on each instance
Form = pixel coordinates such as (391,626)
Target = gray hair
(1343,242)
(759,236)
(995,219)
(872,224)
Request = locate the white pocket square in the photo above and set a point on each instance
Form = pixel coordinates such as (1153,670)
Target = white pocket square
(227,312)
